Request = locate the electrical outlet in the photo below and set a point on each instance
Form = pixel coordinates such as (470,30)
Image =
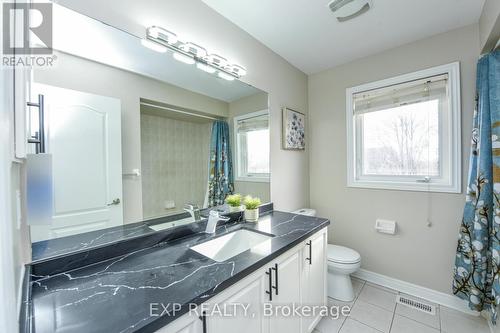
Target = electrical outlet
(169,204)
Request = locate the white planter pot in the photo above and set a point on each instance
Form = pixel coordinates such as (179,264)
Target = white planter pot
(252,215)
(234,209)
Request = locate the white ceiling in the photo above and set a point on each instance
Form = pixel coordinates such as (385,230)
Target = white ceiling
(306,33)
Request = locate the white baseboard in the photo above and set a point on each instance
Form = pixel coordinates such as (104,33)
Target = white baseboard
(431,295)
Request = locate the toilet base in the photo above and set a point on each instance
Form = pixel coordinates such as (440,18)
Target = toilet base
(340,287)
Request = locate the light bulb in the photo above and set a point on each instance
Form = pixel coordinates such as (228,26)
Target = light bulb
(205,68)
(162,34)
(153,45)
(193,49)
(238,70)
(226,76)
(216,60)
(184,58)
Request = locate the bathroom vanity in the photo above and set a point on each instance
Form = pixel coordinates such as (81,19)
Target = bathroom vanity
(120,173)
(137,291)
(290,278)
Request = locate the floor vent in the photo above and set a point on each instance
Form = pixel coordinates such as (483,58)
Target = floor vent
(416,304)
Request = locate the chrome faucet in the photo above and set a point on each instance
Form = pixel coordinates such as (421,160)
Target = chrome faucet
(213,218)
(194,210)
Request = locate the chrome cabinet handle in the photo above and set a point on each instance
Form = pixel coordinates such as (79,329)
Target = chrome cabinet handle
(310,252)
(114,202)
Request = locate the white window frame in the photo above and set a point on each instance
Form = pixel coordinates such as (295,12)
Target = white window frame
(261,178)
(454,167)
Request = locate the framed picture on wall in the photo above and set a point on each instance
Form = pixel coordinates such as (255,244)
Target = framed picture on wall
(293,132)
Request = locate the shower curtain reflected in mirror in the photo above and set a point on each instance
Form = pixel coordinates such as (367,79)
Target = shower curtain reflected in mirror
(220,172)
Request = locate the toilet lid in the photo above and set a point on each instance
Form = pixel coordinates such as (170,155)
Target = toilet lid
(342,254)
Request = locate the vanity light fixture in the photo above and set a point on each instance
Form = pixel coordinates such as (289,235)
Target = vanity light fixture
(193,49)
(153,46)
(205,67)
(216,60)
(184,58)
(226,76)
(237,70)
(162,35)
(160,39)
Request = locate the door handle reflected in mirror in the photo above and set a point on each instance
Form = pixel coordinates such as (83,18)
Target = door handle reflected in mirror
(114,202)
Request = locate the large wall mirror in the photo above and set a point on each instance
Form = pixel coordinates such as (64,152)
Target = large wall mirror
(134,139)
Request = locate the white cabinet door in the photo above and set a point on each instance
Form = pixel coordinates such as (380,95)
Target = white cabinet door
(233,317)
(314,270)
(291,279)
(83,134)
(287,294)
(186,324)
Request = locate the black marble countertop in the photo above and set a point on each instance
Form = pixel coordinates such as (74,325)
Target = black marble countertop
(46,249)
(114,295)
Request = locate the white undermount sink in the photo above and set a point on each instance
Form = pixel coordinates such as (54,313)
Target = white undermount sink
(171,224)
(234,243)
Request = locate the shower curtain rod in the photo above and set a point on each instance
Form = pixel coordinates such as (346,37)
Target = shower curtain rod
(179,111)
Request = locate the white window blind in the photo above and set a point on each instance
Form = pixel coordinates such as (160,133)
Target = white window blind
(402,94)
(253,124)
(404,132)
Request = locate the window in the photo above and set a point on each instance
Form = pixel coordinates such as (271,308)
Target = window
(252,146)
(404,132)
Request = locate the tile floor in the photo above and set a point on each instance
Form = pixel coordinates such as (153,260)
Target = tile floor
(375,310)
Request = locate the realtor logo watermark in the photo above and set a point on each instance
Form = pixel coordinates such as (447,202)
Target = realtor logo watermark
(27,34)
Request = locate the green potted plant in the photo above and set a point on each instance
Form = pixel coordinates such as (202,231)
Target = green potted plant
(234,202)
(251,208)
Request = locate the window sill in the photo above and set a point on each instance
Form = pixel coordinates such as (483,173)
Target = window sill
(405,186)
(253,179)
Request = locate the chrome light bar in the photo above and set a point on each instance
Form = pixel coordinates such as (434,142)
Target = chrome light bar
(160,39)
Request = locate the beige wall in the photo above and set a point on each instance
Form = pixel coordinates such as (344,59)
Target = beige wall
(83,75)
(286,85)
(249,104)
(489,25)
(418,254)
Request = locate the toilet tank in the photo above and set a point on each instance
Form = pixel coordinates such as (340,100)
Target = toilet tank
(305,211)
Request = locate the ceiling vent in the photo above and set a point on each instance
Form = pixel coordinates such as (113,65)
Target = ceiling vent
(348,9)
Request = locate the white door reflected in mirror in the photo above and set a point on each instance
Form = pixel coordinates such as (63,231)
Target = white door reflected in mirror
(84,137)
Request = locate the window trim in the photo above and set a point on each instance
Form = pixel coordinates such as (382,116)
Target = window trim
(255,178)
(455,163)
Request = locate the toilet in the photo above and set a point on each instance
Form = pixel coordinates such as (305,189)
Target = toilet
(342,261)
